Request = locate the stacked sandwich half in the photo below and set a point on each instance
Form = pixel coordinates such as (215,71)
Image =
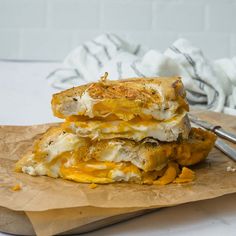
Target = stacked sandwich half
(134,130)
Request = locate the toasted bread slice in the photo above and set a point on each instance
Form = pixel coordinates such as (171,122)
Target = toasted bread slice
(61,154)
(147,98)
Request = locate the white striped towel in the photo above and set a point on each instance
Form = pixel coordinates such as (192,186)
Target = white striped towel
(210,84)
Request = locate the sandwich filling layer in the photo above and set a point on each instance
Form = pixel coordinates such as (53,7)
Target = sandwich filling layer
(61,154)
(135,129)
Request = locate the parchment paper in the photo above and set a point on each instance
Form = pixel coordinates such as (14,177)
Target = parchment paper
(61,220)
(42,194)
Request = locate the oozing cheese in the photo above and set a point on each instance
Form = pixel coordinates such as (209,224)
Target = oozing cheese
(106,161)
(102,172)
(136,129)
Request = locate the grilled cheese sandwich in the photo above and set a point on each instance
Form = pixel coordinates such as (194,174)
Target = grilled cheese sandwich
(134,130)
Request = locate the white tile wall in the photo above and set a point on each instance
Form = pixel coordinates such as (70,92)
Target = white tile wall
(222,17)
(49,29)
(126,15)
(178,17)
(44,44)
(73,14)
(233,45)
(9,43)
(20,14)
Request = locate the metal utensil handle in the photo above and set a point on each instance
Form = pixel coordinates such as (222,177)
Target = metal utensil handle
(225,134)
(226,149)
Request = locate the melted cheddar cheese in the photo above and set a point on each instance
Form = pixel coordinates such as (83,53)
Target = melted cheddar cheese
(135,129)
(62,154)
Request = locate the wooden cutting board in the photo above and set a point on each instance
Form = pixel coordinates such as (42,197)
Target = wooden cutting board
(17,222)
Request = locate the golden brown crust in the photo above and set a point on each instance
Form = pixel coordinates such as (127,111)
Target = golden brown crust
(196,148)
(129,88)
(72,92)
(136,93)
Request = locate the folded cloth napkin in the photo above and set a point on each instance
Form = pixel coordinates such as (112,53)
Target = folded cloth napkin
(210,84)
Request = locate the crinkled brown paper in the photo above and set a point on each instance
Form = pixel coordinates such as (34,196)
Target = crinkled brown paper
(42,197)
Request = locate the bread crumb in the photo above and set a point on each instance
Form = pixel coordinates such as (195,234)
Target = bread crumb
(16,187)
(230,169)
(93,185)
(186,175)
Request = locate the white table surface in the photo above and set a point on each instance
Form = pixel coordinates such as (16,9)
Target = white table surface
(25,99)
